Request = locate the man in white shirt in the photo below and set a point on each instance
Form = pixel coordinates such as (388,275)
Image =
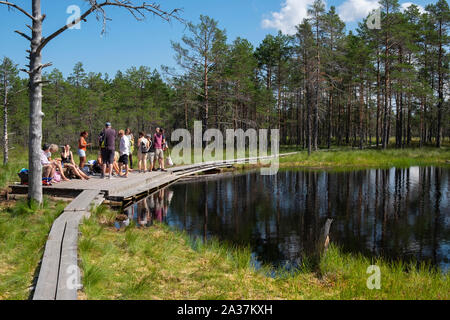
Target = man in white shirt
(124,150)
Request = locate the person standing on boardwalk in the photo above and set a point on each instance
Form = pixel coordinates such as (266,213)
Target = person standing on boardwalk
(108,147)
(124,149)
(130,137)
(151,153)
(158,140)
(82,145)
(143,148)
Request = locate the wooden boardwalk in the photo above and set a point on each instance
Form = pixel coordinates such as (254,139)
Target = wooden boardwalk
(59,275)
(136,185)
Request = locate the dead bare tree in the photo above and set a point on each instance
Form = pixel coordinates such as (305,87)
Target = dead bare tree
(8,75)
(38,43)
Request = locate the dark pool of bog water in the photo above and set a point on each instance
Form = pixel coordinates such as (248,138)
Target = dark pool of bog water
(398,214)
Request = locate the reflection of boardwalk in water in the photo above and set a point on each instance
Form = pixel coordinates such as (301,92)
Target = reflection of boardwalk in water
(395,213)
(146,211)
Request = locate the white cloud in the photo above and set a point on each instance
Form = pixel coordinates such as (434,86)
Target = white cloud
(355,10)
(291,14)
(405,6)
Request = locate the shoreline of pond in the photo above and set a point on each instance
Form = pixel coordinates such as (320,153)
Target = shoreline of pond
(212,205)
(179,267)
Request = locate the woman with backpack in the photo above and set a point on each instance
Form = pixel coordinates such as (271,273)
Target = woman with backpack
(143,148)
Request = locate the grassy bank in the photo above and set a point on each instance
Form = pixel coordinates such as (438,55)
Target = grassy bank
(368,158)
(335,158)
(23,233)
(159,263)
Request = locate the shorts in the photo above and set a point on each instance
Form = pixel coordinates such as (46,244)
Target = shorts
(107,156)
(124,159)
(142,156)
(81,153)
(159,154)
(151,157)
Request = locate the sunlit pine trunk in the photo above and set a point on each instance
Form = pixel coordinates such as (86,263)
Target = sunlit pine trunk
(36,115)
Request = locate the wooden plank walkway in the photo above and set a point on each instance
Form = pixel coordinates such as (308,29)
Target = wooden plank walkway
(59,273)
(119,189)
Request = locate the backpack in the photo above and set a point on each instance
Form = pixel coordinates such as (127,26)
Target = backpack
(101,139)
(23,175)
(152,145)
(144,148)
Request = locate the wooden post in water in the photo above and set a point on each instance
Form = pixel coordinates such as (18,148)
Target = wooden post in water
(325,239)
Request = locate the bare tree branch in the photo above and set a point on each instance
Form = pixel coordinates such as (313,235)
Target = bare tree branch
(46,65)
(23,35)
(9,4)
(138,12)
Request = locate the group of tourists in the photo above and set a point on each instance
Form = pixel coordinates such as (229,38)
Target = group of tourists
(149,147)
(109,162)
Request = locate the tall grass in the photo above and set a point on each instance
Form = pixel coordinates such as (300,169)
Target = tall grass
(370,158)
(17,161)
(161,263)
(23,232)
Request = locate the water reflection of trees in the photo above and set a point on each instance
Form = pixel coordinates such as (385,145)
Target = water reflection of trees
(396,213)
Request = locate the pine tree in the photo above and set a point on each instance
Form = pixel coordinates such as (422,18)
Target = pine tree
(440,16)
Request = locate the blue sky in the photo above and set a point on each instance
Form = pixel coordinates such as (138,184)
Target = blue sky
(132,43)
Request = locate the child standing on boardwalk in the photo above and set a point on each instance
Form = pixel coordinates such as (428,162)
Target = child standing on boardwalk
(143,148)
(130,136)
(124,149)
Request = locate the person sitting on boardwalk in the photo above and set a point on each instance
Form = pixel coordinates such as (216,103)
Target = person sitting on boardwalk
(99,164)
(56,163)
(69,164)
(115,165)
(48,170)
(82,145)
(97,167)
(158,140)
(124,148)
(143,148)
(108,146)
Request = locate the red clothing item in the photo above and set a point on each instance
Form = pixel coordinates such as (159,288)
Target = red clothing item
(82,144)
(157,139)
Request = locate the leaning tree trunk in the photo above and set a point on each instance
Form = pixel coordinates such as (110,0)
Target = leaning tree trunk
(36,115)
